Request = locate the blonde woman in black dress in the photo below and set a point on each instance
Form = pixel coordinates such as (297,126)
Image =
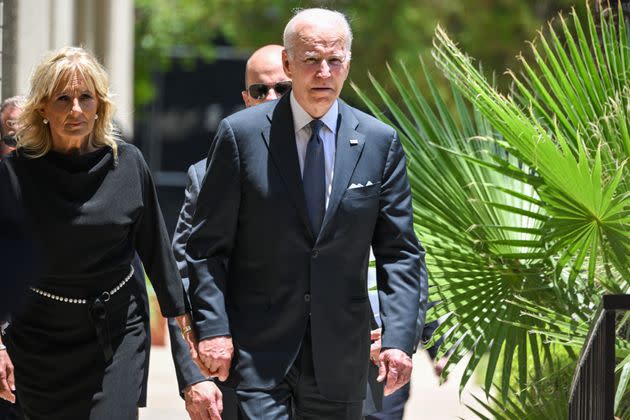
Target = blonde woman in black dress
(78,346)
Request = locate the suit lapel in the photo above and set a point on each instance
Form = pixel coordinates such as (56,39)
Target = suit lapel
(279,135)
(349,147)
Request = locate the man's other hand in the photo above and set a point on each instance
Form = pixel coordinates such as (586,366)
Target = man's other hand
(216,354)
(204,401)
(396,366)
(375,347)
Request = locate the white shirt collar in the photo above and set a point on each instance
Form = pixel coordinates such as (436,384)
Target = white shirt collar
(301,118)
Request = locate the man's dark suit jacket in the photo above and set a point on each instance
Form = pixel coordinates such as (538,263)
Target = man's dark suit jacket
(259,274)
(185,369)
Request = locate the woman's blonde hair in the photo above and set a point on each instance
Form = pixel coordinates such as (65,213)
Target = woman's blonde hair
(34,137)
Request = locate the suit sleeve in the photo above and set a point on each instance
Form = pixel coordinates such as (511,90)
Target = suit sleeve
(184,222)
(213,234)
(20,265)
(186,370)
(401,273)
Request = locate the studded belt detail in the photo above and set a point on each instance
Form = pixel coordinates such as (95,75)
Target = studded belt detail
(105,296)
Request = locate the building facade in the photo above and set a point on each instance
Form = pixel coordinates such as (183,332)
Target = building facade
(30,28)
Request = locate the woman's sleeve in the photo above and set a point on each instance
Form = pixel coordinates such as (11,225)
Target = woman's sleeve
(21,261)
(153,246)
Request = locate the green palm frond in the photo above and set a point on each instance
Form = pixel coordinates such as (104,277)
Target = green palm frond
(521,200)
(569,123)
(544,399)
(478,217)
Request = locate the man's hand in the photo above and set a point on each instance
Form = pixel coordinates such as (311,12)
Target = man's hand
(216,355)
(375,348)
(204,401)
(396,366)
(7,380)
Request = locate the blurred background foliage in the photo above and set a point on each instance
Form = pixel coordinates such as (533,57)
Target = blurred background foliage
(492,31)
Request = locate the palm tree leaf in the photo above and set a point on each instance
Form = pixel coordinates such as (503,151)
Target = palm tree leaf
(521,200)
(622,385)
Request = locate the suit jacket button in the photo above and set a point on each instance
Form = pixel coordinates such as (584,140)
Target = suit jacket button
(307,297)
(315,253)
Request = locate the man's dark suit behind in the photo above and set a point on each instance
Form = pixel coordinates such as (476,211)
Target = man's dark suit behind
(186,370)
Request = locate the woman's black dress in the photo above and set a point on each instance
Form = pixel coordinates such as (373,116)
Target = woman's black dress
(89,215)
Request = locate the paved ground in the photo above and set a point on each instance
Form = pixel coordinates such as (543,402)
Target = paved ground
(429,401)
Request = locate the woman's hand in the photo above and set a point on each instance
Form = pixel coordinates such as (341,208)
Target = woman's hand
(186,328)
(375,348)
(7,380)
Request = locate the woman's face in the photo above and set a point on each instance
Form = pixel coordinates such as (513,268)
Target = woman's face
(71,111)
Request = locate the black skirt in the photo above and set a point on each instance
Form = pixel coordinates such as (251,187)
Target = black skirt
(61,371)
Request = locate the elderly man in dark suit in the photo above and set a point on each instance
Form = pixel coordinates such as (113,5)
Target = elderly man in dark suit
(296,191)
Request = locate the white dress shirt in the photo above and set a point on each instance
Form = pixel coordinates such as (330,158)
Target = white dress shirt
(327,134)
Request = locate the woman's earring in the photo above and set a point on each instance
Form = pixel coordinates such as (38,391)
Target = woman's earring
(45,121)
(96,117)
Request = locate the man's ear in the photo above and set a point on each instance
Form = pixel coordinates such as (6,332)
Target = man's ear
(285,64)
(245,98)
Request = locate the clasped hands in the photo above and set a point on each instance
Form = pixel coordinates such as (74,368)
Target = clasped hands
(204,400)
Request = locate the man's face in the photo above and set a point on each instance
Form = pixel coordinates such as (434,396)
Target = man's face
(265,74)
(10,116)
(318,66)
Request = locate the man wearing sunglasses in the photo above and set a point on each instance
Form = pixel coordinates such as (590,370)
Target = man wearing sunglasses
(10,110)
(265,80)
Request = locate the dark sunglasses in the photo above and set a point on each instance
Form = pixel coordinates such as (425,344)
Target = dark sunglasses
(10,141)
(260,90)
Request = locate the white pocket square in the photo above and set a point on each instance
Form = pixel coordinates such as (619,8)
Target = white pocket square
(353,186)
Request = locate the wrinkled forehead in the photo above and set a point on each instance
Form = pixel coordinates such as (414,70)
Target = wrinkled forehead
(71,80)
(321,37)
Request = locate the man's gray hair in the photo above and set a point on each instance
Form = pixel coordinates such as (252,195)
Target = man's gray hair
(13,101)
(16,101)
(317,15)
